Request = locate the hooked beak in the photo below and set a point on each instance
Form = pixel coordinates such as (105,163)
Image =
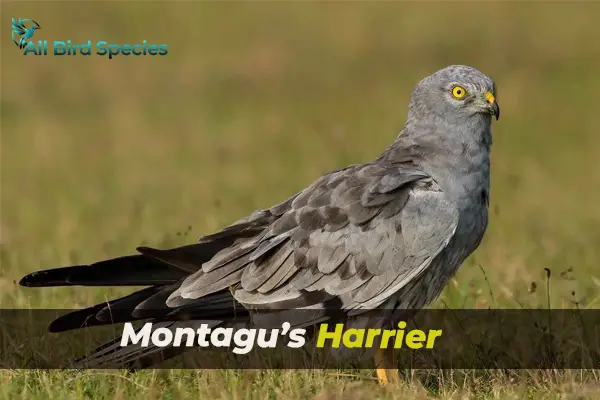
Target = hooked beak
(493,105)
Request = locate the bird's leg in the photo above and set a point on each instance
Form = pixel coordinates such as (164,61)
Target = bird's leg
(385,366)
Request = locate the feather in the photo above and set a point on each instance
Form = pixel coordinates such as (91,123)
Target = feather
(258,272)
(122,271)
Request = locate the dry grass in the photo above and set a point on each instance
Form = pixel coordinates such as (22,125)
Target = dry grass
(253,102)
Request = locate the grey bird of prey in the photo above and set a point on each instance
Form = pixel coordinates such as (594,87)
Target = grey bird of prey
(387,234)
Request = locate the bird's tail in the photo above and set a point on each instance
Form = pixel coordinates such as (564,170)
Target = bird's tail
(144,269)
(162,271)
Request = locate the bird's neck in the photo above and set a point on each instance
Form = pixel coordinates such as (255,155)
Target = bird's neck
(459,163)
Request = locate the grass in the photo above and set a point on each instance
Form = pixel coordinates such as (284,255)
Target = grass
(252,103)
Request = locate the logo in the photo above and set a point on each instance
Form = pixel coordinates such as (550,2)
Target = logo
(23,30)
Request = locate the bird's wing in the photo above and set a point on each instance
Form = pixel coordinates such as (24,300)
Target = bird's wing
(351,240)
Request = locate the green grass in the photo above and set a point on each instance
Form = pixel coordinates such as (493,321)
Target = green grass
(253,102)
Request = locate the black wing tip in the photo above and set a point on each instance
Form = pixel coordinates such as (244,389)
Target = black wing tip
(57,326)
(145,250)
(27,280)
(64,276)
(64,324)
(44,278)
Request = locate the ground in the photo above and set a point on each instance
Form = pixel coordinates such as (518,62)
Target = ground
(252,103)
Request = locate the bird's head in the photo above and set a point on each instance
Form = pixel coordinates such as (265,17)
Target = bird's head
(458,93)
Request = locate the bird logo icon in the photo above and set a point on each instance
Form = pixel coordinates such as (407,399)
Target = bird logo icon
(23,30)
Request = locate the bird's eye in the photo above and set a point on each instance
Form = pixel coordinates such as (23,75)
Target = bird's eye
(459,92)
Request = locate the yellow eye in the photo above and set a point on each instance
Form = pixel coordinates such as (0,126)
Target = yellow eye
(459,92)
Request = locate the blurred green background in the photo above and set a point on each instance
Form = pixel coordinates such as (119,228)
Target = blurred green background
(256,100)
(253,102)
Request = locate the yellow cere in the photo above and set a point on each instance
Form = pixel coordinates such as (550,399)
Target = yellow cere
(490,97)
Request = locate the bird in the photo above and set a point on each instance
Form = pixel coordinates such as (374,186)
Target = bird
(19,29)
(386,234)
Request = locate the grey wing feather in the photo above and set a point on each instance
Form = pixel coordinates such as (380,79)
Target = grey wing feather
(361,233)
(428,223)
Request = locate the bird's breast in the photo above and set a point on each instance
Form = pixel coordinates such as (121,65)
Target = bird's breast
(473,220)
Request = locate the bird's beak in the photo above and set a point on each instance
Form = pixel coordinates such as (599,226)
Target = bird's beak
(493,105)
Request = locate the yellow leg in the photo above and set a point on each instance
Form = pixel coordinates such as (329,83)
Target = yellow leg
(386,369)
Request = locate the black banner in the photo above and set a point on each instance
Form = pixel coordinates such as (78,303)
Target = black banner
(439,339)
